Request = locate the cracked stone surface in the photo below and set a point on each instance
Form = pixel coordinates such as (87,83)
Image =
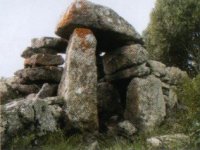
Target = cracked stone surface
(145,105)
(124,57)
(78,85)
(110,29)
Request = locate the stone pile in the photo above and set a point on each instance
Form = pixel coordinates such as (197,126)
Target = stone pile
(42,69)
(108,83)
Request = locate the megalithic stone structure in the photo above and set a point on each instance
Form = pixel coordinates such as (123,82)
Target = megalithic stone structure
(110,29)
(78,85)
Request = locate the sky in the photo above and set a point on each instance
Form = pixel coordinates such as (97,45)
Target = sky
(22,20)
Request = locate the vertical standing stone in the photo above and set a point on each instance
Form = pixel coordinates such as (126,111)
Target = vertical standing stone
(78,85)
(145,105)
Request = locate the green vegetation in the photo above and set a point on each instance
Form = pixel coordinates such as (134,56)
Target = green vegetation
(173,35)
(189,94)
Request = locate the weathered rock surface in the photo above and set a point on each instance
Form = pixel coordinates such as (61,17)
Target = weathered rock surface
(26,89)
(108,96)
(126,129)
(78,86)
(50,42)
(173,141)
(145,105)
(110,29)
(170,97)
(38,116)
(135,71)
(6,91)
(29,51)
(47,90)
(174,75)
(41,74)
(157,68)
(43,60)
(124,57)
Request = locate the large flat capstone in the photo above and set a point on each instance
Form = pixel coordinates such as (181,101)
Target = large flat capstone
(78,85)
(110,29)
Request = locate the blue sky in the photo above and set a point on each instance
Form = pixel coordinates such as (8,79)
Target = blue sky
(21,20)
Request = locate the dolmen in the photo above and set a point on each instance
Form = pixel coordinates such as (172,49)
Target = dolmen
(106,83)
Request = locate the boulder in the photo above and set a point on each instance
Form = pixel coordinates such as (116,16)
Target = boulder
(157,68)
(47,90)
(108,96)
(29,51)
(124,57)
(110,29)
(43,60)
(145,105)
(173,141)
(78,85)
(40,74)
(174,75)
(135,71)
(29,116)
(50,42)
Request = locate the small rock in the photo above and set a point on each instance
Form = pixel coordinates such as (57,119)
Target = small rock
(136,71)
(47,90)
(126,129)
(40,74)
(173,141)
(50,42)
(124,57)
(43,60)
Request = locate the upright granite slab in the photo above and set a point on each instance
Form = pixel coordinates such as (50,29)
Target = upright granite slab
(110,29)
(145,105)
(78,85)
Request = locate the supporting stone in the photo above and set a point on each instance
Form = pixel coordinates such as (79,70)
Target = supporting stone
(110,29)
(145,106)
(135,71)
(78,85)
(124,57)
